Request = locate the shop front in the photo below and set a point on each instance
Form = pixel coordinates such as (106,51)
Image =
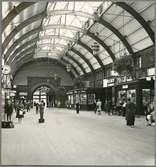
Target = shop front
(140,92)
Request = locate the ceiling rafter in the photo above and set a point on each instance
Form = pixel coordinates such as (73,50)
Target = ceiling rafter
(139,18)
(84,58)
(19,40)
(14,12)
(76,61)
(20,27)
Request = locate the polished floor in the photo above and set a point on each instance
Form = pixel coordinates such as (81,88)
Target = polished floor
(85,139)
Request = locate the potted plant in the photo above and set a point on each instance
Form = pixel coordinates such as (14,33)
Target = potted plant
(125,66)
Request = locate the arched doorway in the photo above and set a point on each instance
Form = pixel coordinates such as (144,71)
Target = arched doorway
(45,93)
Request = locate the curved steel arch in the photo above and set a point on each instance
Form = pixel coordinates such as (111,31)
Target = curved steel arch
(31,48)
(14,12)
(139,18)
(102,44)
(91,35)
(117,33)
(31,60)
(67,62)
(84,58)
(76,61)
(50,44)
(23,37)
(90,51)
(22,47)
(69,27)
(20,27)
(56,36)
(70,12)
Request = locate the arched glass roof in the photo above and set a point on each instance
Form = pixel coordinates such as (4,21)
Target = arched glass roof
(66,30)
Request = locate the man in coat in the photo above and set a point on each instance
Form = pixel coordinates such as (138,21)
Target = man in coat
(130,113)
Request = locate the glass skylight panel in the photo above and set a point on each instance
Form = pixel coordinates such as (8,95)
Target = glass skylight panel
(87,70)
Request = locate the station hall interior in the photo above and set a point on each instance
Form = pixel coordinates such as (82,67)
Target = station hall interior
(76,69)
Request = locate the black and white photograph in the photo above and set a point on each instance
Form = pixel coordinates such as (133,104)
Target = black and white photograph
(77,82)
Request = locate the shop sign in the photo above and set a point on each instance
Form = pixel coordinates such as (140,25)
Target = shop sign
(23,93)
(111,82)
(105,83)
(124,79)
(125,86)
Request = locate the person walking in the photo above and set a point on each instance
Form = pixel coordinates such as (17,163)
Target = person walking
(94,106)
(109,107)
(130,113)
(77,107)
(20,108)
(8,109)
(41,109)
(37,107)
(98,104)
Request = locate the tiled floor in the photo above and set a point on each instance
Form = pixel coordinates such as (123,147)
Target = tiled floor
(66,138)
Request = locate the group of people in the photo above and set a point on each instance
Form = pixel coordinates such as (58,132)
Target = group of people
(126,109)
(21,107)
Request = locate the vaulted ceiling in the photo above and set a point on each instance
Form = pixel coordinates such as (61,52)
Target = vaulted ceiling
(65,32)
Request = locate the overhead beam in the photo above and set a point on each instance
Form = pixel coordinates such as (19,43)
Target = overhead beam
(31,48)
(117,33)
(93,36)
(22,47)
(19,40)
(84,58)
(77,62)
(24,62)
(70,12)
(76,71)
(139,18)
(20,27)
(14,12)
(91,52)
(62,26)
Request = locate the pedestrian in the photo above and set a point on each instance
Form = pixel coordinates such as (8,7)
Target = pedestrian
(130,113)
(28,106)
(77,107)
(37,107)
(98,104)
(94,106)
(124,108)
(20,108)
(41,109)
(150,114)
(109,107)
(8,109)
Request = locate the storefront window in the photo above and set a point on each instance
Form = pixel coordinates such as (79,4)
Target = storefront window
(125,94)
(91,98)
(146,96)
(131,94)
(83,98)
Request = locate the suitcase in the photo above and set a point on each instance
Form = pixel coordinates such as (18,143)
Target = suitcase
(41,120)
(7,124)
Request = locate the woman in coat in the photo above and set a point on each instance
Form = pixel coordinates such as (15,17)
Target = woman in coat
(130,113)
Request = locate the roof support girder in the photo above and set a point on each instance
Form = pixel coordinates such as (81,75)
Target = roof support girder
(117,33)
(139,18)
(14,12)
(70,12)
(22,47)
(31,48)
(84,58)
(19,40)
(93,36)
(77,62)
(90,51)
(20,27)
(23,62)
